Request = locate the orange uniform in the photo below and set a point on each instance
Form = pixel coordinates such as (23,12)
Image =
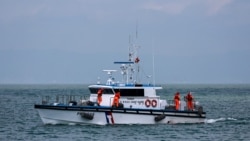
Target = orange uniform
(177,101)
(190,101)
(116,99)
(99,96)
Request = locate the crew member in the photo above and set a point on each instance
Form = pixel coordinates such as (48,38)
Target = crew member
(99,96)
(190,101)
(116,99)
(177,100)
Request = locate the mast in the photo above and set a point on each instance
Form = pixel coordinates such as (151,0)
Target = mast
(130,69)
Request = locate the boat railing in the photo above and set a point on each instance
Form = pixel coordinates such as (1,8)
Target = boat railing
(183,105)
(119,84)
(64,100)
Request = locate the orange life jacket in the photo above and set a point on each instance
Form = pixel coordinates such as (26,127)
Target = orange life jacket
(177,97)
(189,97)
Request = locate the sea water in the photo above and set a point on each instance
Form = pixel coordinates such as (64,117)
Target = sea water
(227,107)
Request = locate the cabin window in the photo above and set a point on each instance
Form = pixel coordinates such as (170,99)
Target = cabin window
(105,91)
(131,92)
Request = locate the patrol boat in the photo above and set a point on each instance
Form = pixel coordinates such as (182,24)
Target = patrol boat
(138,102)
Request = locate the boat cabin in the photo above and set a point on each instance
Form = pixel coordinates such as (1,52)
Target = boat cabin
(131,96)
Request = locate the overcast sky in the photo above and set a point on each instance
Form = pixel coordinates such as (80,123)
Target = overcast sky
(72,41)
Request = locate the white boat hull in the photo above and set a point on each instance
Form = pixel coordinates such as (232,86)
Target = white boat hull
(103,116)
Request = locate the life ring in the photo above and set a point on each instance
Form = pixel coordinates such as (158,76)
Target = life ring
(154,103)
(147,103)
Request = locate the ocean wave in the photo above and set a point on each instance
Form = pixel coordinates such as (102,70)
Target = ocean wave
(219,119)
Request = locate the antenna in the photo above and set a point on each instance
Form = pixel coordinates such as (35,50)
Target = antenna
(136,33)
(153,57)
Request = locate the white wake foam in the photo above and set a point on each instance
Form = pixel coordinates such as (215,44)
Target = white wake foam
(219,119)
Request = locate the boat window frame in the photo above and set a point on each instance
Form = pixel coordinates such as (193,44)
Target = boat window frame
(105,90)
(131,92)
